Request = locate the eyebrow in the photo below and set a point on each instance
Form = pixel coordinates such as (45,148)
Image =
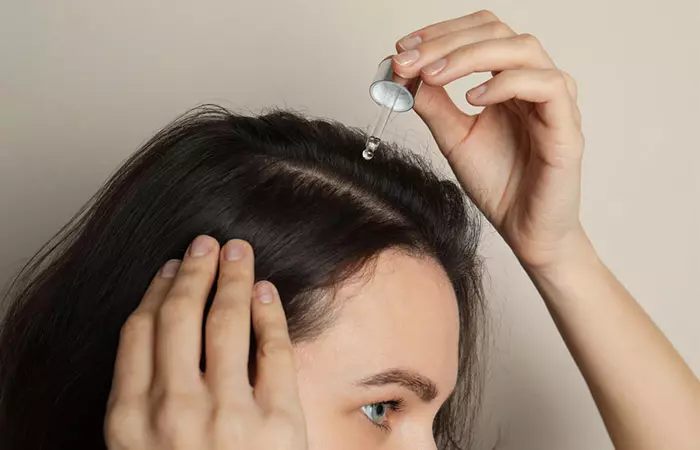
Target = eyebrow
(423,387)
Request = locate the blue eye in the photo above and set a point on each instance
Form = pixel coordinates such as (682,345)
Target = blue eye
(377,412)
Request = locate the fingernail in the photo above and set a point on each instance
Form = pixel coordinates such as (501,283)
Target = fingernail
(234,250)
(170,268)
(264,292)
(405,58)
(201,246)
(435,67)
(477,91)
(410,42)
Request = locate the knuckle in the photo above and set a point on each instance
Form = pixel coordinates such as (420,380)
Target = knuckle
(529,39)
(275,348)
(174,310)
(236,273)
(173,414)
(221,317)
(568,77)
(558,78)
(500,29)
(199,269)
(135,327)
(230,300)
(268,323)
(222,421)
(222,415)
(188,269)
(229,424)
(121,420)
(570,82)
(486,15)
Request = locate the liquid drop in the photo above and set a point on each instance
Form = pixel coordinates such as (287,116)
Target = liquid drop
(370,146)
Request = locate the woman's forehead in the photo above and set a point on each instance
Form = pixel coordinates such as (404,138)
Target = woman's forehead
(404,316)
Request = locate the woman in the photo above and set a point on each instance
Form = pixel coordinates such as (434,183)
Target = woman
(374,263)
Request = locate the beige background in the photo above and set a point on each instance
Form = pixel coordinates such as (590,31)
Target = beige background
(84,83)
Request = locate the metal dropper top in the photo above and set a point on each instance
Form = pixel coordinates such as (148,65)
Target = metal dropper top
(392,93)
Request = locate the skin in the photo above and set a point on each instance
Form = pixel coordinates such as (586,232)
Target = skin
(404,318)
(520,161)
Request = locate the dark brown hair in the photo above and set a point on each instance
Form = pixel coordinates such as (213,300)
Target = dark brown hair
(296,188)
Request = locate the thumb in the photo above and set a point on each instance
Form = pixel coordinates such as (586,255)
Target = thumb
(448,124)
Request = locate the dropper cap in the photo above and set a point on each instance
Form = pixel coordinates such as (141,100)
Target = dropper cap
(394,94)
(387,84)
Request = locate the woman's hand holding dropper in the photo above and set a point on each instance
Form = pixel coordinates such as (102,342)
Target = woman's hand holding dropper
(520,162)
(520,158)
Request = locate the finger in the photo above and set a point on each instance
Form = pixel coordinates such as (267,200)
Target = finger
(405,63)
(447,123)
(571,85)
(517,52)
(228,323)
(179,319)
(448,26)
(572,88)
(133,368)
(275,383)
(546,88)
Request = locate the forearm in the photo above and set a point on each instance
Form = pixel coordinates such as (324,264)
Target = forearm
(648,397)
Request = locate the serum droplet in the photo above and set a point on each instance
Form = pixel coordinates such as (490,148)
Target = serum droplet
(371,145)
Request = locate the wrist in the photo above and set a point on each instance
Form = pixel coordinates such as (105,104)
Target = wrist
(576,254)
(574,279)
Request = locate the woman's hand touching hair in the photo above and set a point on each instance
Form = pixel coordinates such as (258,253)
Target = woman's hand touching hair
(520,158)
(161,399)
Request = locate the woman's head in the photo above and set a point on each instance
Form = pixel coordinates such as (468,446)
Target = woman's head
(375,263)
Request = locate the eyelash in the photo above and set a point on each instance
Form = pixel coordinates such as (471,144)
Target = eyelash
(395,405)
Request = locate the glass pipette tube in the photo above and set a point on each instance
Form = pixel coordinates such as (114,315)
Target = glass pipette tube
(375,137)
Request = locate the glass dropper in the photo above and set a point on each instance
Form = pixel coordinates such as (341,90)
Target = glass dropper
(375,137)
